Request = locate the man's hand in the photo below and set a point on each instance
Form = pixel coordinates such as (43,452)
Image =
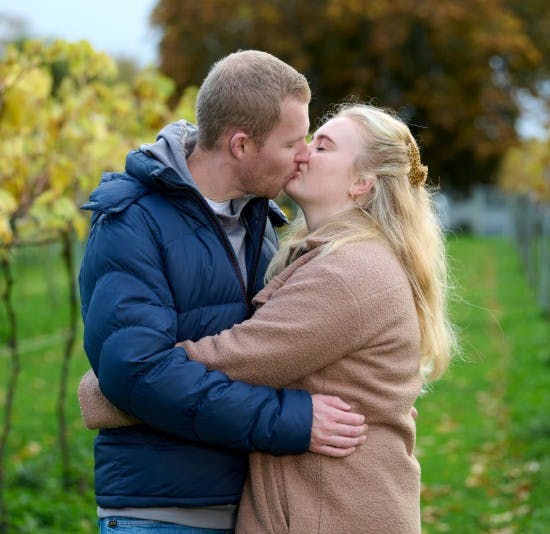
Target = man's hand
(335,430)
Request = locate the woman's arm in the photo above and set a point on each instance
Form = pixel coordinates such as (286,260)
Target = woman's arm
(95,408)
(309,322)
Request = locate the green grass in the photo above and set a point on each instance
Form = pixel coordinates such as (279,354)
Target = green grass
(36,500)
(483,430)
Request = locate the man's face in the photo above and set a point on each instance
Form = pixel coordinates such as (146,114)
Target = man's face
(271,167)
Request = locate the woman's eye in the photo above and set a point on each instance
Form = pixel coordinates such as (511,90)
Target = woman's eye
(320,148)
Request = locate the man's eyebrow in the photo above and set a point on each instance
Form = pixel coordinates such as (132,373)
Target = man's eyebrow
(298,139)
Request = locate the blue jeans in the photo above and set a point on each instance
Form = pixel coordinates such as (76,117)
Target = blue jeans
(130,525)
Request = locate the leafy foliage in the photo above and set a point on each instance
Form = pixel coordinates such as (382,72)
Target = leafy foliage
(449,68)
(526,169)
(65,117)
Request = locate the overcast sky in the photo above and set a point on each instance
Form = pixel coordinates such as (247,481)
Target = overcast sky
(118,27)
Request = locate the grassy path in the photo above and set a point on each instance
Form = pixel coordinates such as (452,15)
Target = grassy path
(484,430)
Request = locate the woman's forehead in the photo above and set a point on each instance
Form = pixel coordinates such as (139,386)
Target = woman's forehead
(336,130)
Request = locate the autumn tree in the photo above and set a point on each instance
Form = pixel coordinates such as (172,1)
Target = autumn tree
(535,17)
(526,170)
(449,68)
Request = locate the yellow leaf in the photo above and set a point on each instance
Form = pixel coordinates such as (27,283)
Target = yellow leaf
(81,226)
(62,173)
(65,209)
(45,198)
(29,450)
(6,235)
(7,203)
(37,83)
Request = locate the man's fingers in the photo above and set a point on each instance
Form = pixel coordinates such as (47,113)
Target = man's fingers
(350,431)
(335,402)
(349,418)
(339,411)
(343,438)
(342,442)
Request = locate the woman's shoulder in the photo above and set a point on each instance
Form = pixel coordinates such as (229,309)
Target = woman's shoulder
(370,264)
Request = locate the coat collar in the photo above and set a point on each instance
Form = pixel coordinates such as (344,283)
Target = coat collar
(278,281)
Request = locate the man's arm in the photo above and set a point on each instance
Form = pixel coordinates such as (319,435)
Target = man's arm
(336,431)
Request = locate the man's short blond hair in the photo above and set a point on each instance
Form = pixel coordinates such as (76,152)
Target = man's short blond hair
(245,90)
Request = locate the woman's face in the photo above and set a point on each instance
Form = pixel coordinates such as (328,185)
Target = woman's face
(322,187)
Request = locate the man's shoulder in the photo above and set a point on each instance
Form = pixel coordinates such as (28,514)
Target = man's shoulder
(115,192)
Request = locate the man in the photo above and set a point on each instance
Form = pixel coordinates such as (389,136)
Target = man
(178,247)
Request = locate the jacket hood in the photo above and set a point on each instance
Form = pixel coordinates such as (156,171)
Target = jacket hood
(174,144)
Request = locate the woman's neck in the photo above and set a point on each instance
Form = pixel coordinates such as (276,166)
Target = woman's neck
(315,218)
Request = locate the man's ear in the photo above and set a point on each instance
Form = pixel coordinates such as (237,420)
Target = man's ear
(361,186)
(239,144)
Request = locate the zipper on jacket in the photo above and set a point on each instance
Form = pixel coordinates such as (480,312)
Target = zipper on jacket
(227,245)
(258,252)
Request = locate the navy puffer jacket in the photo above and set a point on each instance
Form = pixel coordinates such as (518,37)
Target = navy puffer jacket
(159,269)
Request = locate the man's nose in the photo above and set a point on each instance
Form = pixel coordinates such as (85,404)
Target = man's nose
(302,156)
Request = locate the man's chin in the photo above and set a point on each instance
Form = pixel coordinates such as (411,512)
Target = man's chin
(290,181)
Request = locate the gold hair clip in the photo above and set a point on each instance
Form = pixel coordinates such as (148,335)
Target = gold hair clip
(418,172)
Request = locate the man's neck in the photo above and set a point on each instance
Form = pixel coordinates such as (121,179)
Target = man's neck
(212,174)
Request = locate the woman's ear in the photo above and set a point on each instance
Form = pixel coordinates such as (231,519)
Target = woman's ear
(239,144)
(361,186)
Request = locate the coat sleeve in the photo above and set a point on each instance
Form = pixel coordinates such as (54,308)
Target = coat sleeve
(309,322)
(130,328)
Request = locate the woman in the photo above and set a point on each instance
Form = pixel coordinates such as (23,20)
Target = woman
(355,306)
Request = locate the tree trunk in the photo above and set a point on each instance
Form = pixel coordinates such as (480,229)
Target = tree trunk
(14,369)
(63,436)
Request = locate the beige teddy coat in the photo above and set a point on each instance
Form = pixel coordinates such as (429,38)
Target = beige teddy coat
(338,324)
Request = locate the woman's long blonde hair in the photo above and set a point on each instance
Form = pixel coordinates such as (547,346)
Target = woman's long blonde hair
(400,210)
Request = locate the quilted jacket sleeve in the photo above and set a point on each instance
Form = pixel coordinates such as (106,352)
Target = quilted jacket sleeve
(129,336)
